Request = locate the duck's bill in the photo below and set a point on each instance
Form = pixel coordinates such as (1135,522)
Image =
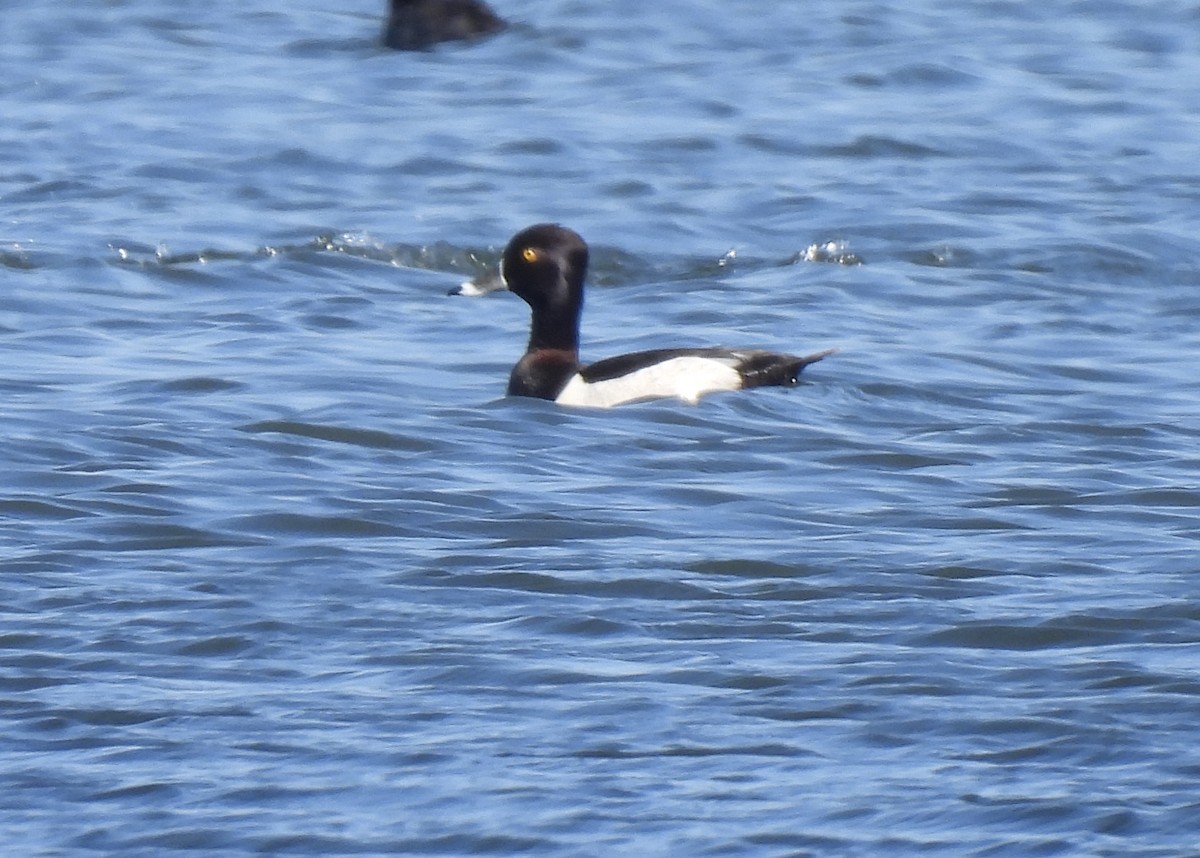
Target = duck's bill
(481,285)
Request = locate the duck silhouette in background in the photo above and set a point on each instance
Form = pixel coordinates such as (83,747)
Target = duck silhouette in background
(417,25)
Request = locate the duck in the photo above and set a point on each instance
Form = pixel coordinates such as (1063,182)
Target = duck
(417,25)
(545,265)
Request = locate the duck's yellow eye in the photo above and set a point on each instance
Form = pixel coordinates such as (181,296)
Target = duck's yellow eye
(529,254)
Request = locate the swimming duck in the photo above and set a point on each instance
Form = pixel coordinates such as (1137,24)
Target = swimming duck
(415,25)
(545,265)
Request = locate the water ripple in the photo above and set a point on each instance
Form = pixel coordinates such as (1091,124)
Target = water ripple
(284,571)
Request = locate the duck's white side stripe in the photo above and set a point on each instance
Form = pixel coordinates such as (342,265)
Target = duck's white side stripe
(688,378)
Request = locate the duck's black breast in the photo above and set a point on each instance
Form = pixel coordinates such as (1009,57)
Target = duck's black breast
(543,373)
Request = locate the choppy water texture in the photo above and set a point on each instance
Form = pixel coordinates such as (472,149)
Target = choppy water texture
(283,572)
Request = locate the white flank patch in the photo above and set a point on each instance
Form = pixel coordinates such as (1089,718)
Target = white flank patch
(688,378)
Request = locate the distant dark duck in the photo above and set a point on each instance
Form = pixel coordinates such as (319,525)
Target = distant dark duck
(545,266)
(415,25)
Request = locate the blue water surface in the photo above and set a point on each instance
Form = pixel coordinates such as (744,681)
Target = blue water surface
(283,572)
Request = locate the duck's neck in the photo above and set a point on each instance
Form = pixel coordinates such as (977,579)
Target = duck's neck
(555,327)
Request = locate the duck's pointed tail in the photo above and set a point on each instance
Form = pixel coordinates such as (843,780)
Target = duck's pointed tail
(762,369)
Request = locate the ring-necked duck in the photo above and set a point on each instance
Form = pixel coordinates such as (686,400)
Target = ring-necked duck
(545,265)
(416,25)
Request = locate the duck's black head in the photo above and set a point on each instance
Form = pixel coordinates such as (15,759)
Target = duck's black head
(545,265)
